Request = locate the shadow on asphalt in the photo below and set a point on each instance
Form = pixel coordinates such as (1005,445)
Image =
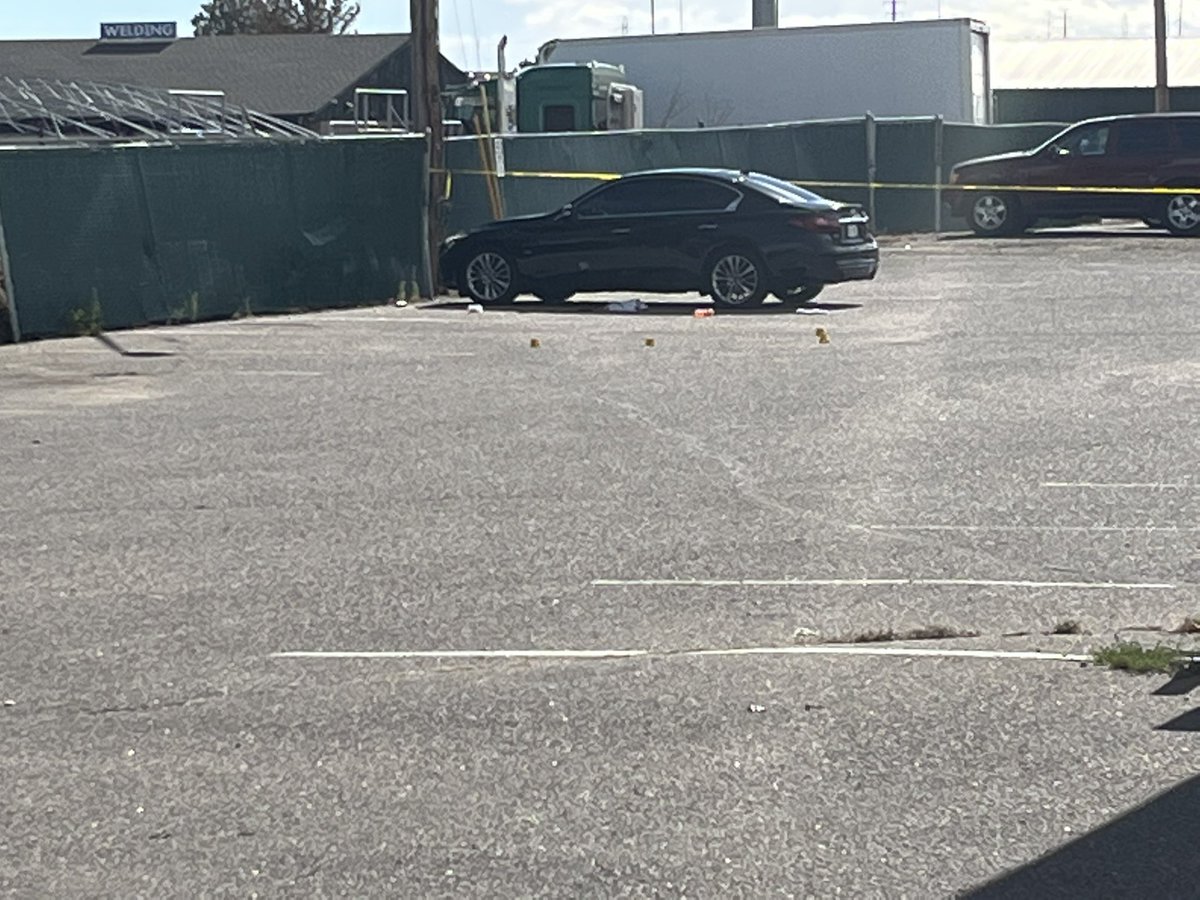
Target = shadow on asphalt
(1183,682)
(1060,234)
(1151,851)
(142,354)
(1189,721)
(653,308)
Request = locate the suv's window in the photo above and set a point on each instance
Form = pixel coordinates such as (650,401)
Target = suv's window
(1187,135)
(1143,138)
(640,196)
(1091,140)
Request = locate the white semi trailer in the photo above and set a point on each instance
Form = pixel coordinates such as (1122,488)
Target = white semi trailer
(767,74)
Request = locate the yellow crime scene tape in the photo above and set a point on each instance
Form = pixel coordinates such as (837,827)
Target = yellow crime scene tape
(863,185)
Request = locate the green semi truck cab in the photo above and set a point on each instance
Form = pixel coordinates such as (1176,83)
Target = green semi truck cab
(589,96)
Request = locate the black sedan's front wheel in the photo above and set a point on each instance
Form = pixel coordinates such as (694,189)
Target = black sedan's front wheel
(489,276)
(736,279)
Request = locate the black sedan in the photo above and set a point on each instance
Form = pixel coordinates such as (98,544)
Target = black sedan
(732,236)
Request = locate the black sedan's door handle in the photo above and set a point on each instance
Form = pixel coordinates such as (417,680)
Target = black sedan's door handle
(621,230)
(708,226)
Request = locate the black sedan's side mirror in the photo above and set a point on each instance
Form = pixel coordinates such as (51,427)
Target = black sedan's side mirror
(565,213)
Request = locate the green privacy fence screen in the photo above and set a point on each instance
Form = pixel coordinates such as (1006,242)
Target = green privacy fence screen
(119,237)
(833,157)
(125,236)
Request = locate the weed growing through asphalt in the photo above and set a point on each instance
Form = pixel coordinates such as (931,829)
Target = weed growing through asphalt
(89,320)
(1130,656)
(189,311)
(926,633)
(872,637)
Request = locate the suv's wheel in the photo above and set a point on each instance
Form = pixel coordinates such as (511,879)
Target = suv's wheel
(1182,214)
(996,214)
(489,277)
(736,278)
(803,293)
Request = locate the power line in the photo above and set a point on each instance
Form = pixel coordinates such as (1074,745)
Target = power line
(462,38)
(475,30)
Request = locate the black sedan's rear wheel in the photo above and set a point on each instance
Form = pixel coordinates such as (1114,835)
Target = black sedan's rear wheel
(557,295)
(803,293)
(489,276)
(736,279)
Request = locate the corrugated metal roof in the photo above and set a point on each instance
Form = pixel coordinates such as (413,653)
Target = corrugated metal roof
(1091,63)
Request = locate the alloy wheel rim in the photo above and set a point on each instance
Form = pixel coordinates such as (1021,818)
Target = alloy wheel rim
(1184,211)
(489,276)
(734,279)
(990,212)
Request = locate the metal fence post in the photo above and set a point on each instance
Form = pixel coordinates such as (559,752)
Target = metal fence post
(869,121)
(939,130)
(7,292)
(430,207)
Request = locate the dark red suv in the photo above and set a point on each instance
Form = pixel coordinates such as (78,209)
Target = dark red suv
(1131,154)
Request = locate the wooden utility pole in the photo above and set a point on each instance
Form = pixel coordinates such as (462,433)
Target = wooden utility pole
(1162,100)
(427,118)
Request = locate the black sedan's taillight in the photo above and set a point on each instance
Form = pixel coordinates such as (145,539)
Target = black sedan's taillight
(822,223)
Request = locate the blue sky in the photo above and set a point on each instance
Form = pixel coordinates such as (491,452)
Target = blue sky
(471,28)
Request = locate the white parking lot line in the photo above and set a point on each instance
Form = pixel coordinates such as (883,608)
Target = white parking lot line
(280,373)
(748,582)
(202,330)
(1040,529)
(459,654)
(879,582)
(401,319)
(1120,485)
(810,650)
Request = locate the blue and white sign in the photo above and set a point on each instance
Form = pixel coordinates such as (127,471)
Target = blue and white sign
(138,31)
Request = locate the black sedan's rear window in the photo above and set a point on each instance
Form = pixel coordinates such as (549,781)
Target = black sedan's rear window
(778,189)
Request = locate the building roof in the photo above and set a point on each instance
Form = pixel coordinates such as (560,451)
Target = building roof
(1091,63)
(753,34)
(280,74)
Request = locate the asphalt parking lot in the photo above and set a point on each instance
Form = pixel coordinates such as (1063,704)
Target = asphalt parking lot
(390,602)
